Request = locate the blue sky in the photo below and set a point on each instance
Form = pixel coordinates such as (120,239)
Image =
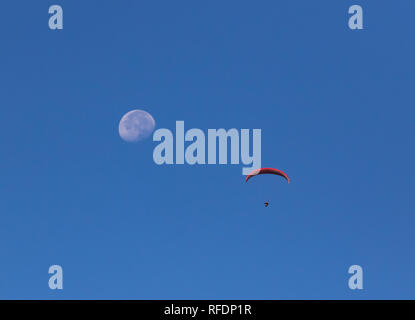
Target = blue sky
(336,111)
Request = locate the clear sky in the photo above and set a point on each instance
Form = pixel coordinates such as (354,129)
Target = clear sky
(336,109)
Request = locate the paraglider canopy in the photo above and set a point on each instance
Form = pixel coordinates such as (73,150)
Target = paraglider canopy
(267,171)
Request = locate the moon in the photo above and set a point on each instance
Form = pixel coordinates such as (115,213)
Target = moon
(136,125)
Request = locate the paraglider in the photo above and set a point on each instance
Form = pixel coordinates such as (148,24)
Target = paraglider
(267,171)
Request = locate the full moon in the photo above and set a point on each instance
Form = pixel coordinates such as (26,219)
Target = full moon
(136,125)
